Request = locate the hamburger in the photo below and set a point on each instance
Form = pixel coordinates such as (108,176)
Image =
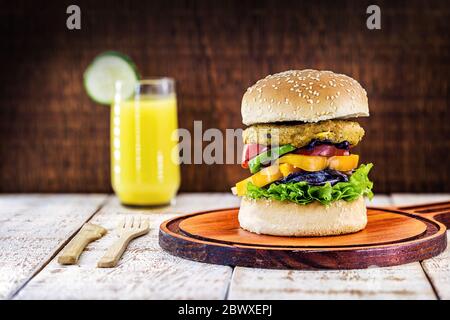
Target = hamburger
(304,181)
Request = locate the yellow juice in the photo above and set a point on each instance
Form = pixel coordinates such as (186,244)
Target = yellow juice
(143,170)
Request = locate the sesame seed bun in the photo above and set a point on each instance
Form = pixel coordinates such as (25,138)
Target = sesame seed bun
(284,218)
(304,95)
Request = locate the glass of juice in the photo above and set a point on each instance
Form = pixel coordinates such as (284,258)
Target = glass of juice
(144,165)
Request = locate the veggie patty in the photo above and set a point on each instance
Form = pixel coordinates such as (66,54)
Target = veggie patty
(300,135)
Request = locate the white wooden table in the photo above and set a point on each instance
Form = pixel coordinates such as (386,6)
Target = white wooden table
(35,227)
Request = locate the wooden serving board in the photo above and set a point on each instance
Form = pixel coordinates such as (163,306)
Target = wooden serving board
(393,236)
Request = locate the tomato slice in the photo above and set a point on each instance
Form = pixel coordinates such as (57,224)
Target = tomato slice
(250,151)
(324,150)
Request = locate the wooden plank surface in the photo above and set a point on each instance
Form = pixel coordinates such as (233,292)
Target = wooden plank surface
(403,199)
(32,228)
(379,201)
(438,271)
(145,271)
(400,282)
(437,268)
(404,282)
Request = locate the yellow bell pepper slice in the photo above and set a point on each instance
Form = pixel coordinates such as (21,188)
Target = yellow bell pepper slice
(260,179)
(343,163)
(307,163)
(293,163)
(286,169)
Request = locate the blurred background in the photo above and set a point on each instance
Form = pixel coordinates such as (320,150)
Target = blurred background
(53,138)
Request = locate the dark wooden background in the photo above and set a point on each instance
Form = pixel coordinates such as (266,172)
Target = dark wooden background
(54,139)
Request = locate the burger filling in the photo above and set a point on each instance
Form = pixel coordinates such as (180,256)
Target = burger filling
(303,163)
(301,134)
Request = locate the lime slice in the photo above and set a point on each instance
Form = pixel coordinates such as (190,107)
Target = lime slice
(101,75)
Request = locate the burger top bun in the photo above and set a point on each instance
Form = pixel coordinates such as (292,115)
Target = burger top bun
(304,95)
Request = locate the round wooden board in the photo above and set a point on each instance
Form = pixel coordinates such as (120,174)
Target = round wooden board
(392,237)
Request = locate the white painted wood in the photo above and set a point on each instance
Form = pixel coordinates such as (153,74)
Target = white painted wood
(89,232)
(33,228)
(403,199)
(401,282)
(126,231)
(380,200)
(437,268)
(405,282)
(145,271)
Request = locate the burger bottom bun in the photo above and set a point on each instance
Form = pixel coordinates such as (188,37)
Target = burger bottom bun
(283,218)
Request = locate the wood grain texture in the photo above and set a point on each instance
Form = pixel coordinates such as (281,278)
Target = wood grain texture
(33,228)
(404,282)
(143,276)
(126,231)
(437,268)
(145,271)
(389,239)
(54,139)
(438,271)
(89,232)
(382,227)
(400,282)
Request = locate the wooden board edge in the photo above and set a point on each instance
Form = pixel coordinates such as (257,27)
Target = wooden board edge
(441,230)
(301,258)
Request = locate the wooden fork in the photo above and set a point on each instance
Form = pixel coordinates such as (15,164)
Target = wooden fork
(128,229)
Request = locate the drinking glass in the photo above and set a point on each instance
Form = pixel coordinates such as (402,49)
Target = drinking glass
(144,170)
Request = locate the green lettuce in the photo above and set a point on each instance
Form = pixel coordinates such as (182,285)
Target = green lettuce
(302,193)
